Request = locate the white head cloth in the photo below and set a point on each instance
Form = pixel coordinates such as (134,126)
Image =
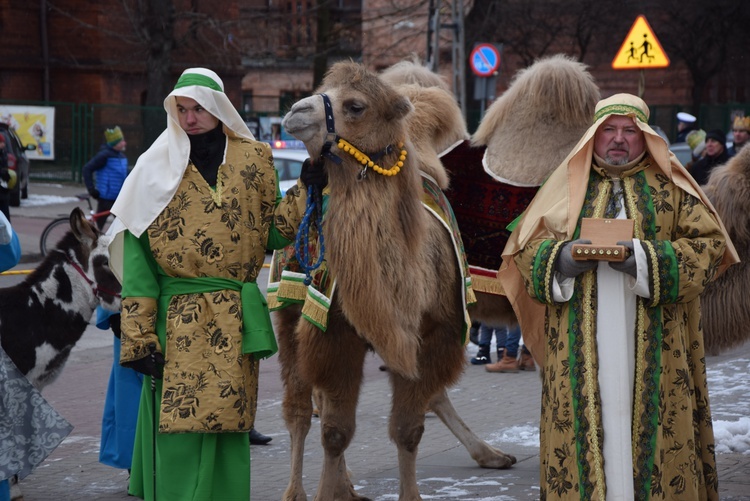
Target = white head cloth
(159,170)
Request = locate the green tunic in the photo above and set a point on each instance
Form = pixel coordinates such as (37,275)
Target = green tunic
(189,288)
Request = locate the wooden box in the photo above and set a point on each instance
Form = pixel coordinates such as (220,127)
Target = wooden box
(604,235)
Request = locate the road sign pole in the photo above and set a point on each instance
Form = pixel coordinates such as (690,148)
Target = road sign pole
(642,84)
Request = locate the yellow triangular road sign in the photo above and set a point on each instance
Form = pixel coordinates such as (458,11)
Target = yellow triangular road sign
(641,49)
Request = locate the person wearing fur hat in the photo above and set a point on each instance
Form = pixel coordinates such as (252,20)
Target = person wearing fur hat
(741,133)
(110,167)
(625,407)
(194,220)
(715,154)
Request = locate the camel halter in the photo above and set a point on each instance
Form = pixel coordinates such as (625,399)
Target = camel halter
(367,160)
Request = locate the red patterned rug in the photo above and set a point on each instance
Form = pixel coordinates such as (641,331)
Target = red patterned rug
(482,205)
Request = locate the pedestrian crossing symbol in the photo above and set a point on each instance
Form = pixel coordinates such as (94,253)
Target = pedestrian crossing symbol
(641,49)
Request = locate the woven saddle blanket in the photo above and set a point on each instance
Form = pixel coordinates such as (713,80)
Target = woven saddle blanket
(484,206)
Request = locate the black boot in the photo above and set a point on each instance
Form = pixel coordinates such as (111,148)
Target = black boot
(474,332)
(257,438)
(483,355)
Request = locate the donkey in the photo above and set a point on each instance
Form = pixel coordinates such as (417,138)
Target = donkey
(43,317)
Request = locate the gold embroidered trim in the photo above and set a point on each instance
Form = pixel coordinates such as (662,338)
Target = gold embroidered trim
(216,193)
(550,270)
(655,267)
(632,206)
(589,377)
(621,109)
(588,331)
(489,285)
(640,348)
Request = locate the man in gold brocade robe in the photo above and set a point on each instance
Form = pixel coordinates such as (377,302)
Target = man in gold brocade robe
(625,407)
(194,220)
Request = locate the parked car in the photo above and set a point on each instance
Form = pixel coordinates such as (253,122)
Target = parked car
(683,152)
(17,161)
(289,165)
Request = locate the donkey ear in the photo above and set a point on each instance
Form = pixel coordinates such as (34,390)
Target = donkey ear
(401,107)
(82,229)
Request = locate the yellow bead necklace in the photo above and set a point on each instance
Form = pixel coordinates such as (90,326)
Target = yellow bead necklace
(362,158)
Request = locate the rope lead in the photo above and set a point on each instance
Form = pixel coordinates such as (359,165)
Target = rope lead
(313,216)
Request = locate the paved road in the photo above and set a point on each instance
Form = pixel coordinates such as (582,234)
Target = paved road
(503,409)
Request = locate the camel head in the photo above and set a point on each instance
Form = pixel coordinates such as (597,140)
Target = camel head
(366,112)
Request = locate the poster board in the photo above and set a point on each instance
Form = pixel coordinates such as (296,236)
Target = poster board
(34,125)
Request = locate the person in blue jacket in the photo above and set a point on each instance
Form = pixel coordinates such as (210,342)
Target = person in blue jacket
(111,167)
(121,403)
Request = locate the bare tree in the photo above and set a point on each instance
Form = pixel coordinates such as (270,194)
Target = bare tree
(702,35)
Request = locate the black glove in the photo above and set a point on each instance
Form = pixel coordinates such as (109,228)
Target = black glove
(5,175)
(94,193)
(150,365)
(114,324)
(314,173)
(569,267)
(629,265)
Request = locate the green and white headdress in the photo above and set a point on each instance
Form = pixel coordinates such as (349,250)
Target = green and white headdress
(159,170)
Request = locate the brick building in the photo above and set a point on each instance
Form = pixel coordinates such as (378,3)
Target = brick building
(266,51)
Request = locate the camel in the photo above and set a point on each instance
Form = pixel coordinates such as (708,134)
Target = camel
(399,286)
(725,315)
(435,124)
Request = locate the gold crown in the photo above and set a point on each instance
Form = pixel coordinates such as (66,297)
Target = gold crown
(742,123)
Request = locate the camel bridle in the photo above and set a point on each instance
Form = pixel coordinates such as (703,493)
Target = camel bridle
(333,138)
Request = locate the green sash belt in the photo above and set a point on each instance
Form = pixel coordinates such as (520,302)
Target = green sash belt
(257,332)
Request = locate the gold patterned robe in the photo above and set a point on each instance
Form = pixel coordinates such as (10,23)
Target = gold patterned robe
(672,435)
(190,279)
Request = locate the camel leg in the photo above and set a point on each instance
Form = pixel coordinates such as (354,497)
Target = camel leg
(333,366)
(484,454)
(297,410)
(296,405)
(406,429)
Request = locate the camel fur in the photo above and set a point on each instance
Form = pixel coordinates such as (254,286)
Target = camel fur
(435,124)
(550,103)
(398,281)
(725,314)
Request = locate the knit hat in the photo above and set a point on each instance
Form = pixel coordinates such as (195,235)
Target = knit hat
(685,117)
(113,136)
(742,123)
(717,135)
(696,139)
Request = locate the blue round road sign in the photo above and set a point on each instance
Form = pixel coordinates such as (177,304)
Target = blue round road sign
(484,60)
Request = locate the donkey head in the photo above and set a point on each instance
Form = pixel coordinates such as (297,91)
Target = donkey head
(92,256)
